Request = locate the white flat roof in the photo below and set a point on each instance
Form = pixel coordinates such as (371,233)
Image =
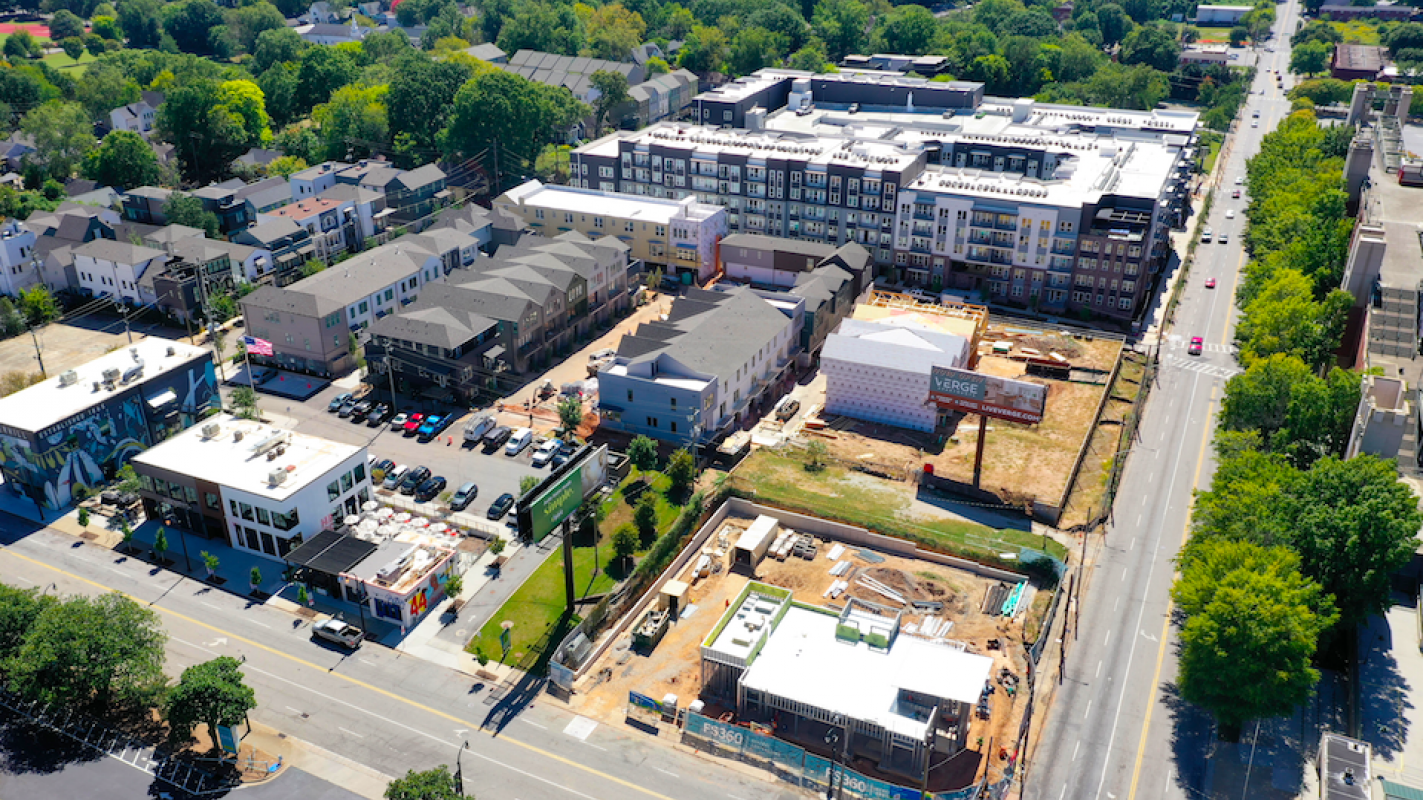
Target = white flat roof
(763,528)
(47,403)
(233,463)
(805,663)
(612,204)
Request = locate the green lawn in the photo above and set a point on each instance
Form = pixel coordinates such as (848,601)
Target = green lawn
(63,61)
(881,506)
(1213,144)
(1215,34)
(537,605)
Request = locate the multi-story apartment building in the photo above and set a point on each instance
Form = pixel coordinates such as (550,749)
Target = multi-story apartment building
(1062,208)
(679,235)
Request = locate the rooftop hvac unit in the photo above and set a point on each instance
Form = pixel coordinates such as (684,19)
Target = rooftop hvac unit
(132,373)
(172,351)
(211,430)
(277,477)
(270,442)
(68,378)
(111,375)
(237,436)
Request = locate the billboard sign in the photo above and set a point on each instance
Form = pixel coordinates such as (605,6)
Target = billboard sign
(989,395)
(562,494)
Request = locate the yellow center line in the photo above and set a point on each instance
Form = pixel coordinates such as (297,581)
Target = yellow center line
(353,681)
(1166,623)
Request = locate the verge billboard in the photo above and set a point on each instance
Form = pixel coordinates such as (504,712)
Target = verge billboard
(989,395)
(556,503)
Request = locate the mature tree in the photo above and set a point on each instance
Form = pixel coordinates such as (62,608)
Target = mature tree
(613,32)
(65,25)
(625,542)
(1153,47)
(72,47)
(570,415)
(540,26)
(211,693)
(189,22)
(1283,318)
(754,48)
(1035,22)
(106,28)
(122,160)
(612,92)
(286,166)
(91,649)
(432,784)
(704,50)
(63,135)
(642,452)
(247,23)
(784,21)
(1354,525)
(354,123)
(911,29)
(277,46)
(504,108)
(19,608)
(210,124)
(991,70)
(1252,629)
(142,23)
(1259,398)
(38,305)
(1078,59)
(21,44)
(421,94)
(644,516)
(279,87)
(1113,23)
(841,24)
(681,470)
(184,209)
(1309,58)
(1320,418)
(1247,493)
(810,58)
(323,71)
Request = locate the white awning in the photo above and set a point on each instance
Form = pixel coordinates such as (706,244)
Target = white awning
(162,399)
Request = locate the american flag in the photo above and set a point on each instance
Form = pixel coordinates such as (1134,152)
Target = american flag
(257,347)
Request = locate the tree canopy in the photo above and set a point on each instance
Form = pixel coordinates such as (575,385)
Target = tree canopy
(211,693)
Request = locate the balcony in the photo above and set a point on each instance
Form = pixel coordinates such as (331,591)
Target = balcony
(923,212)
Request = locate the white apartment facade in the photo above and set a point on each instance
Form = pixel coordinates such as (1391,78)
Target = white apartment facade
(106,267)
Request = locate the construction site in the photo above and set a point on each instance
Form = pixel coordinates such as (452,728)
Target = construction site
(786,628)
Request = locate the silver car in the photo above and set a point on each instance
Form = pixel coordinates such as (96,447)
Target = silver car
(338,632)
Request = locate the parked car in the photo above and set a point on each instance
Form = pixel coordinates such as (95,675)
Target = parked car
(263,374)
(413,479)
(397,423)
(564,453)
(413,423)
(394,477)
(385,465)
(497,437)
(347,408)
(338,632)
(338,401)
(475,429)
(377,415)
(786,409)
(520,439)
(430,489)
(1206,236)
(1196,344)
(358,414)
(546,452)
(462,496)
(501,506)
(430,427)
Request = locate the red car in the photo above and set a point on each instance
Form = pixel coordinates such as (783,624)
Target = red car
(1196,344)
(413,424)
(1235,194)
(1210,283)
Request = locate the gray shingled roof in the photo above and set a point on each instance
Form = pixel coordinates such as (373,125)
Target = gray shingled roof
(118,252)
(444,326)
(710,333)
(758,241)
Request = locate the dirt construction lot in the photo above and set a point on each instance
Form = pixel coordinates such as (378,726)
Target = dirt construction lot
(1020,462)
(674,667)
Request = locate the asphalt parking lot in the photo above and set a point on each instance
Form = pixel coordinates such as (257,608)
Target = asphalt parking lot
(494,473)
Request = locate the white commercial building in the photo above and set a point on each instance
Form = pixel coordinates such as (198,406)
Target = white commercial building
(902,698)
(265,488)
(679,234)
(1221,16)
(880,372)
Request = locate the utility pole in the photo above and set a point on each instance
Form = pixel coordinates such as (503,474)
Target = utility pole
(38,357)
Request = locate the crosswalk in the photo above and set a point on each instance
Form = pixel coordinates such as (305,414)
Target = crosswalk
(1195,364)
(1181,343)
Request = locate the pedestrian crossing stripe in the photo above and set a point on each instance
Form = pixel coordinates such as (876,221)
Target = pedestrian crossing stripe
(1203,367)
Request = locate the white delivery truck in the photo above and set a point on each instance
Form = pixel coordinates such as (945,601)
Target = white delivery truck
(475,429)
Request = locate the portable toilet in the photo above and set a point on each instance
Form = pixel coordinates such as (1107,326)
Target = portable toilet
(673,598)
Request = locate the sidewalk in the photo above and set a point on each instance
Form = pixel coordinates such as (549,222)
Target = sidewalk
(436,638)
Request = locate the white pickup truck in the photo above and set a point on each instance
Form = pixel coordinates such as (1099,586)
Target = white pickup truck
(475,429)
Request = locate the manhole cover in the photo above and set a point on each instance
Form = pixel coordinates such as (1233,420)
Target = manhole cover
(460,632)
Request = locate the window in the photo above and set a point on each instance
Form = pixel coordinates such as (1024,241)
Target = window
(629,395)
(652,422)
(674,427)
(359,472)
(211,500)
(247,512)
(262,517)
(346,482)
(333,490)
(674,402)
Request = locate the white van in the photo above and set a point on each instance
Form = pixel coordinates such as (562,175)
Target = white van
(517,442)
(395,476)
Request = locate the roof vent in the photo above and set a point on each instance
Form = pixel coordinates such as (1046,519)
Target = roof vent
(211,430)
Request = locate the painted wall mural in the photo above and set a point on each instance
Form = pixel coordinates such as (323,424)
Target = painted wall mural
(88,448)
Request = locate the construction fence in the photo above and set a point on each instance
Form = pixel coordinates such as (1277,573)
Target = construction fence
(796,766)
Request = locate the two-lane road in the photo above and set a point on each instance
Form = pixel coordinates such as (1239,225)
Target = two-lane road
(1115,729)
